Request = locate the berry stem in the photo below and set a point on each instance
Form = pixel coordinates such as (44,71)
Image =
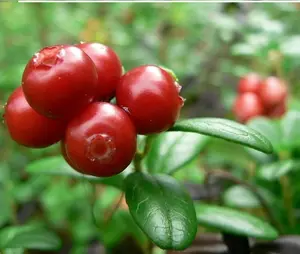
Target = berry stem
(139,156)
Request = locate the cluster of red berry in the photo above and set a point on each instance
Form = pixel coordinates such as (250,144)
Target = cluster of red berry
(260,97)
(65,96)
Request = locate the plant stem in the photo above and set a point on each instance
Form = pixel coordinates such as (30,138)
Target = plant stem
(149,140)
(288,199)
(137,161)
(109,214)
(264,204)
(139,156)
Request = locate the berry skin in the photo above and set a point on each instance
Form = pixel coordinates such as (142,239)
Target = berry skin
(101,140)
(150,96)
(27,127)
(249,84)
(64,154)
(277,111)
(272,92)
(247,106)
(60,81)
(108,65)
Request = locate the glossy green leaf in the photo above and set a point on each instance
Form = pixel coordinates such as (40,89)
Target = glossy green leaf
(274,171)
(234,222)
(56,165)
(290,129)
(171,151)
(219,152)
(13,251)
(270,129)
(226,129)
(163,210)
(191,173)
(28,237)
(240,197)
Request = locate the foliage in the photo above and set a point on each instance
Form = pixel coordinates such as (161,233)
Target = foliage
(45,204)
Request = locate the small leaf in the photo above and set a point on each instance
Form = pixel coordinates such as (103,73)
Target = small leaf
(270,129)
(240,197)
(171,151)
(28,237)
(278,169)
(290,128)
(290,47)
(163,210)
(234,222)
(226,129)
(56,165)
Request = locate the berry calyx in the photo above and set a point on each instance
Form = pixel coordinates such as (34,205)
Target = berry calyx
(150,96)
(101,140)
(27,127)
(60,81)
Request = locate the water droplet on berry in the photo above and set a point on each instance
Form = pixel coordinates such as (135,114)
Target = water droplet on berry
(101,148)
(126,109)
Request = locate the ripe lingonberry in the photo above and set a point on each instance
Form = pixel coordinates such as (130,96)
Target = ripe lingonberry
(109,68)
(249,83)
(60,81)
(27,127)
(277,111)
(247,106)
(101,140)
(64,154)
(272,92)
(150,95)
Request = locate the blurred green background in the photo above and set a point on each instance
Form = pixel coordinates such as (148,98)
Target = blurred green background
(208,45)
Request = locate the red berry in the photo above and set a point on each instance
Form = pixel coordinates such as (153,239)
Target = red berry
(64,154)
(272,92)
(60,81)
(150,95)
(27,127)
(109,68)
(101,140)
(277,111)
(247,106)
(249,84)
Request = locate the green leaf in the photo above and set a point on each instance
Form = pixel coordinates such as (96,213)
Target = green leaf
(290,129)
(191,173)
(290,47)
(270,129)
(240,197)
(57,166)
(274,171)
(234,222)
(226,129)
(171,151)
(28,237)
(13,251)
(163,210)
(6,207)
